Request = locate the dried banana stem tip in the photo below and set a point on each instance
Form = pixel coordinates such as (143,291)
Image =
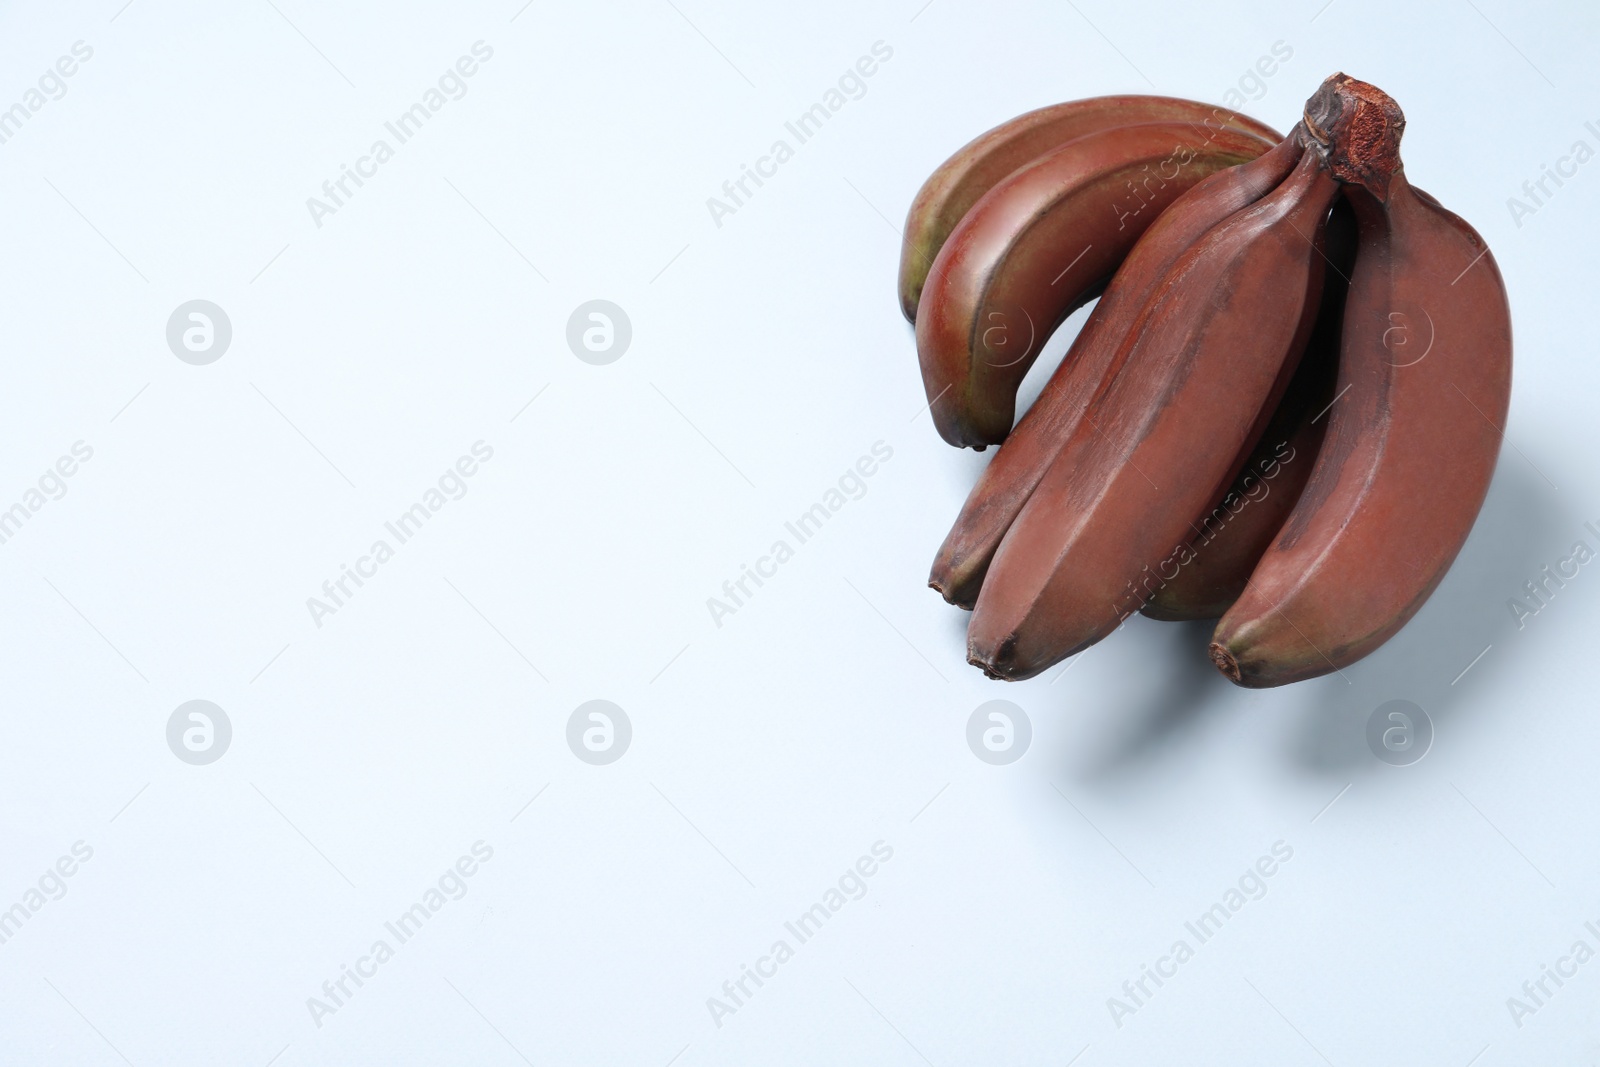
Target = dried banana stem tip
(1225,662)
(1358,125)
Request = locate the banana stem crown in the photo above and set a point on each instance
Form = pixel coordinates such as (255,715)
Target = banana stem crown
(1358,126)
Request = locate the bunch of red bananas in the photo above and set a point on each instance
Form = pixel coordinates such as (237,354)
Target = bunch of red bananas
(1283,412)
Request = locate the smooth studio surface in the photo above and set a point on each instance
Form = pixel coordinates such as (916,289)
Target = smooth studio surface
(466,501)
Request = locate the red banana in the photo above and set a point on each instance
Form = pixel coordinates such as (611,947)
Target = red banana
(1204,579)
(1165,436)
(978,166)
(1006,484)
(1038,245)
(1424,387)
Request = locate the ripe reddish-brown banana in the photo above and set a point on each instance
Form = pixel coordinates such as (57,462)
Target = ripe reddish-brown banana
(978,166)
(1005,485)
(1164,437)
(1424,386)
(1038,245)
(1204,579)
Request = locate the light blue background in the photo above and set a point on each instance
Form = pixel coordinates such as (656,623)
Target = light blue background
(830,711)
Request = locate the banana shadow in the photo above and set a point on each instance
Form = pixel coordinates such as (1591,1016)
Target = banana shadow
(1432,661)
(1520,529)
(1165,704)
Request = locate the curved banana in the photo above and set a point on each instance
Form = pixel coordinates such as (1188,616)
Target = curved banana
(1424,386)
(1164,437)
(1037,246)
(1230,539)
(978,166)
(1010,478)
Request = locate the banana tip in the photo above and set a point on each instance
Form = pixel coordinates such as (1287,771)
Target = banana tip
(999,664)
(1226,663)
(951,595)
